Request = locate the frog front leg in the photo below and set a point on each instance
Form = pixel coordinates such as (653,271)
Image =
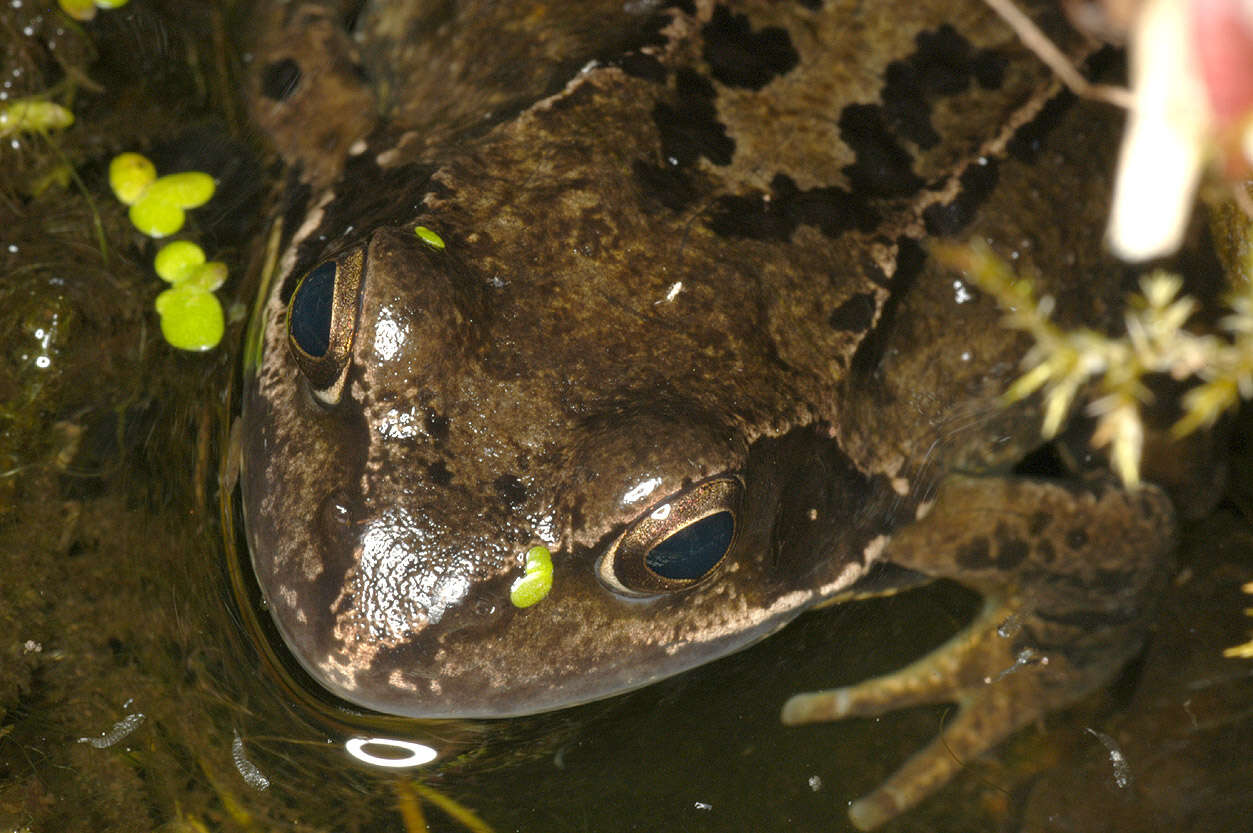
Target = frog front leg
(1068,572)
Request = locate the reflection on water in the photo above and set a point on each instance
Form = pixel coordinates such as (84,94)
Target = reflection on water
(135,695)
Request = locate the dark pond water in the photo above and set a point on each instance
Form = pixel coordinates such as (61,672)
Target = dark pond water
(133,696)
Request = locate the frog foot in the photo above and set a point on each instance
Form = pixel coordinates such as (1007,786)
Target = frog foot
(995,694)
(1068,575)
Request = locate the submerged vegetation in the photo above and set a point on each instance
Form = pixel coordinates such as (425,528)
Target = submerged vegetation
(1062,362)
(1111,371)
(191,315)
(1243,650)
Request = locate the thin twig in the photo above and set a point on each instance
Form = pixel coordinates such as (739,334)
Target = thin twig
(1055,59)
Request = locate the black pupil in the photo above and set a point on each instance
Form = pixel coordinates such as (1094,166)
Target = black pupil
(694,550)
(311,310)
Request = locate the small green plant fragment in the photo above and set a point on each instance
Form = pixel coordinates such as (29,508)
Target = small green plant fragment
(130,174)
(191,318)
(207,276)
(86,9)
(189,189)
(182,263)
(58,176)
(457,811)
(177,261)
(78,9)
(1063,361)
(1245,649)
(33,116)
(156,217)
(409,797)
(157,206)
(429,237)
(536,581)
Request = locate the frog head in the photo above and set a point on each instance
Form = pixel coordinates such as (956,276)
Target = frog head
(421,422)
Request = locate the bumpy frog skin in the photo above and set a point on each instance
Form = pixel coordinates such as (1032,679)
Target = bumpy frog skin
(684,292)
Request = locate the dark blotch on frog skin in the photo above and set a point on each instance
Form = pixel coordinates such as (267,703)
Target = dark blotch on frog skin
(510,489)
(753,217)
(944,64)
(1112,583)
(1027,140)
(739,57)
(881,167)
(1077,538)
(911,257)
(437,426)
(1085,620)
(989,68)
(855,314)
(974,554)
(1045,461)
(639,65)
(439,473)
(977,183)
(813,5)
(670,186)
(830,209)
(280,79)
(1010,552)
(690,129)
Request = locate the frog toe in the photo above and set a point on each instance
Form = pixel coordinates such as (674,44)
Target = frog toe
(995,694)
(977,726)
(951,672)
(1054,625)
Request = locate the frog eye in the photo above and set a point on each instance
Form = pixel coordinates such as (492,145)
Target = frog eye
(322,320)
(677,542)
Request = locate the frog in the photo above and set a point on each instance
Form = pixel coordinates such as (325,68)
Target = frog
(649,286)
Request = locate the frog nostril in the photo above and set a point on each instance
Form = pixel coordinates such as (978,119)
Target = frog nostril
(280,79)
(335,517)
